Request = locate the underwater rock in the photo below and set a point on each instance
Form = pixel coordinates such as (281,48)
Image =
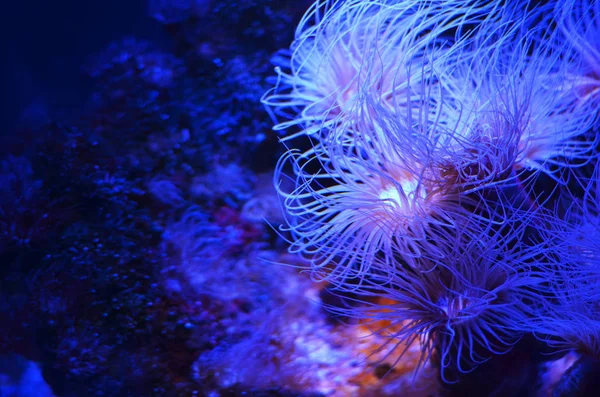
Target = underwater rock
(20,377)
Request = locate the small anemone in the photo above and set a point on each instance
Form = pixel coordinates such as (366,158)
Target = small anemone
(464,306)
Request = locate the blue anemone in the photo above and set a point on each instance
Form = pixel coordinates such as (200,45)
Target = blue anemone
(579,22)
(466,305)
(425,119)
(387,48)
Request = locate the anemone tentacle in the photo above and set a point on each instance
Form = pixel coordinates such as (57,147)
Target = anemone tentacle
(431,123)
(579,21)
(465,305)
(388,48)
(516,98)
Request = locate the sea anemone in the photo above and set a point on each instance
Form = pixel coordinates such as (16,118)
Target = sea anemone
(382,195)
(388,48)
(381,181)
(427,120)
(515,102)
(579,21)
(570,319)
(464,306)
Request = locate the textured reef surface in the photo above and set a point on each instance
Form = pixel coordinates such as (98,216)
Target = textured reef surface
(287,198)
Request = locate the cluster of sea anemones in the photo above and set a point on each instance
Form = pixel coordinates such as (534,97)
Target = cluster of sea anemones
(432,146)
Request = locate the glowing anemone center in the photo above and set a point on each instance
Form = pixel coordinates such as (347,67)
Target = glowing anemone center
(452,307)
(402,193)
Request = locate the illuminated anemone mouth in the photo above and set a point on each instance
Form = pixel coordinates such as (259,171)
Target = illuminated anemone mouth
(457,309)
(354,208)
(404,195)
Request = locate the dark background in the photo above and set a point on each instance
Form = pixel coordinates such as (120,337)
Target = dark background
(44,45)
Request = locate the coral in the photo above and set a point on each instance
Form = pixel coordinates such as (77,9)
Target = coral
(22,221)
(131,60)
(265,206)
(210,186)
(82,351)
(176,11)
(193,24)
(134,93)
(96,214)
